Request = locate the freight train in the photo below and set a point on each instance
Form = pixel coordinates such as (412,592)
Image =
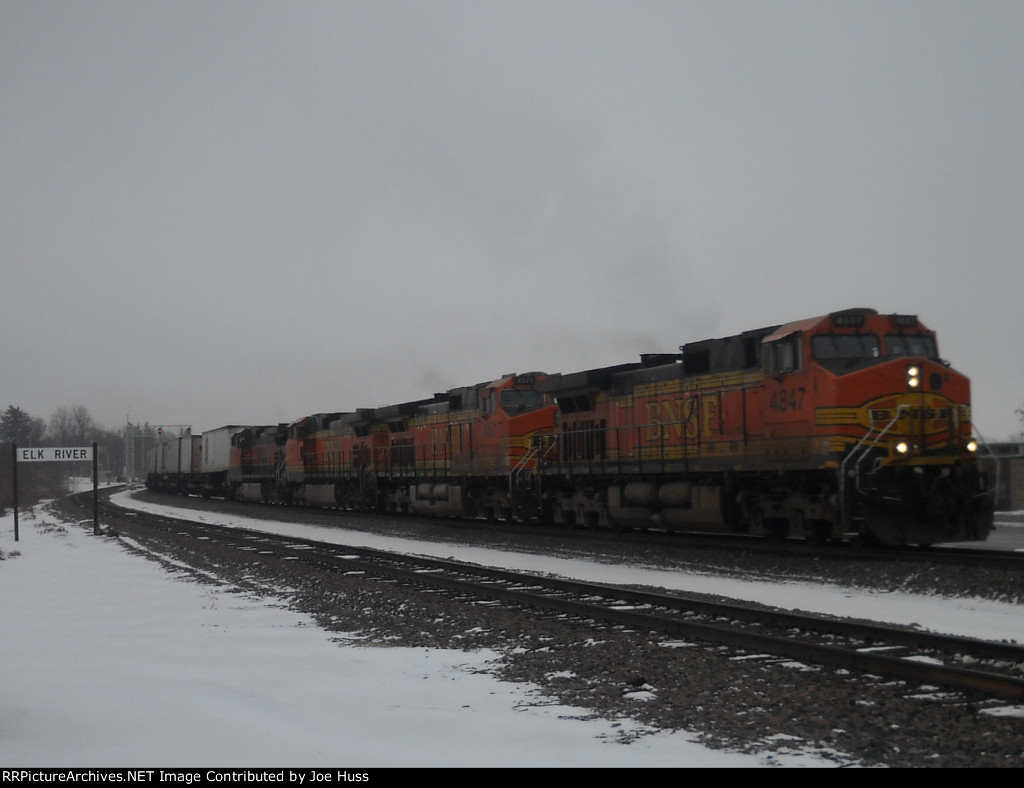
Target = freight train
(845,427)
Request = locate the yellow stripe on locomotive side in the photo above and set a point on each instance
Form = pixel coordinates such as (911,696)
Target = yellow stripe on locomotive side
(701,383)
(831,417)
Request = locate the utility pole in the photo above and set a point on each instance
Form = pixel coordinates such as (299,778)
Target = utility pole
(129,451)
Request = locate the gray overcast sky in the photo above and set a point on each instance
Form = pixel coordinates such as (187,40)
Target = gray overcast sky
(245,212)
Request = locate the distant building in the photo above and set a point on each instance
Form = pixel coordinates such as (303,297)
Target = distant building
(1004,463)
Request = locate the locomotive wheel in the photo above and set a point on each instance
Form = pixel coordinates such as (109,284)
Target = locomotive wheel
(818,532)
(776,528)
(864,540)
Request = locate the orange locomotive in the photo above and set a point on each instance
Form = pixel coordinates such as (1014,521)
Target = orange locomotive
(847,426)
(459,453)
(256,463)
(466,452)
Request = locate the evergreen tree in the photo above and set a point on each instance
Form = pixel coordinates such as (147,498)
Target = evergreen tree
(17,426)
(37,480)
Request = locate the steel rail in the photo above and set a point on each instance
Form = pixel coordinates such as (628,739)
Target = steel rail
(343,558)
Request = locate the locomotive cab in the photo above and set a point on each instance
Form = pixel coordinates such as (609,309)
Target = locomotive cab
(512,396)
(896,419)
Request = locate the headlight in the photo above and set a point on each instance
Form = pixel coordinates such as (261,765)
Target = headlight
(972,446)
(902,448)
(913,377)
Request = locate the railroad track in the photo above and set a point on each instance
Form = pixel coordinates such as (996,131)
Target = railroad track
(970,665)
(1001,560)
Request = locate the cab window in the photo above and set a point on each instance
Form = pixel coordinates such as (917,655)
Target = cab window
(844,353)
(845,346)
(902,345)
(516,401)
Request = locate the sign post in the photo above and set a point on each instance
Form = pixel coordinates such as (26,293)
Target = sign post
(59,454)
(14,486)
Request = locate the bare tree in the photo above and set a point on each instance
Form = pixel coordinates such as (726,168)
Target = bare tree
(72,425)
(84,426)
(61,426)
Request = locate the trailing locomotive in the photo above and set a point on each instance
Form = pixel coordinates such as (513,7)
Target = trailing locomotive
(847,426)
(453,454)
(465,452)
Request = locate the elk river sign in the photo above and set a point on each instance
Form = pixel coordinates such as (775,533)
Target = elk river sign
(57,454)
(54,454)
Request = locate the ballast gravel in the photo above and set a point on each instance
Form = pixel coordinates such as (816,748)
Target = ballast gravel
(725,697)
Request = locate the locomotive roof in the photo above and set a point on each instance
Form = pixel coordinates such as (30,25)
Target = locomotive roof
(360,417)
(792,328)
(723,354)
(862,314)
(403,409)
(586,381)
(459,398)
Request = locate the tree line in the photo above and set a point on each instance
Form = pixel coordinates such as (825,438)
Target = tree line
(72,426)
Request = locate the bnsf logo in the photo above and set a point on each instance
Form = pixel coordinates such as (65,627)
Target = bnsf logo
(931,416)
(681,417)
(881,414)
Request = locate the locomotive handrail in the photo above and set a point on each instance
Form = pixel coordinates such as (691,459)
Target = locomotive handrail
(854,452)
(533,452)
(993,489)
(529,454)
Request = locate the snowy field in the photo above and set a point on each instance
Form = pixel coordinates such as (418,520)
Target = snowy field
(108,660)
(968,617)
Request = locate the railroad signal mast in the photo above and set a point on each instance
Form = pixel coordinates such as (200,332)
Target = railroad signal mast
(129,451)
(132,432)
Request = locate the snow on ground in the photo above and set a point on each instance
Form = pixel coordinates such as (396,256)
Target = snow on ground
(958,616)
(109,661)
